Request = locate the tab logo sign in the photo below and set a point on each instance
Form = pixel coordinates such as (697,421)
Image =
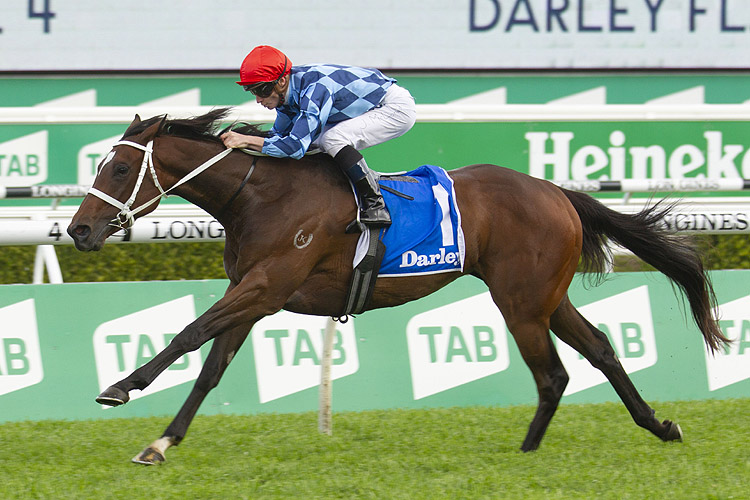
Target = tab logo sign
(20,355)
(733,364)
(90,156)
(127,343)
(288,348)
(23,161)
(456,344)
(626,319)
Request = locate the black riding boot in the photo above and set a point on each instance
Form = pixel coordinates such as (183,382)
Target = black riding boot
(373,211)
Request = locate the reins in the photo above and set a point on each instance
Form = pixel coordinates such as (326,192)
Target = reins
(125,218)
(239,189)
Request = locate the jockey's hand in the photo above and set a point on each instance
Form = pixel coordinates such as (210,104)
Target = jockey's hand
(235,140)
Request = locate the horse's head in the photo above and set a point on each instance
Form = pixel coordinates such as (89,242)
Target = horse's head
(123,189)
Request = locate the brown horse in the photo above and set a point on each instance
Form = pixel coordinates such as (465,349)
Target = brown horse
(524,238)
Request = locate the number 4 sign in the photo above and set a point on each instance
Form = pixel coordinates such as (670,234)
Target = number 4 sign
(44,14)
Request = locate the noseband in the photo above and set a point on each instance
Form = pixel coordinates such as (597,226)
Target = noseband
(125,219)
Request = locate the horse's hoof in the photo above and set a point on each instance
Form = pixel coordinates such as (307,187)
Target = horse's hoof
(149,456)
(113,396)
(673,433)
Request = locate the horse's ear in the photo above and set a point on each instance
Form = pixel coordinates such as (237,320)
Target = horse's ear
(162,124)
(137,119)
(154,129)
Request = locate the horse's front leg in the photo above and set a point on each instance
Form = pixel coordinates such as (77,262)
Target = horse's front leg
(222,352)
(233,314)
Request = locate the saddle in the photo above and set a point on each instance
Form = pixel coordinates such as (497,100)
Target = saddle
(425,236)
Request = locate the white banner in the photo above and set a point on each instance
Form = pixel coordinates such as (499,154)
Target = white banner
(42,35)
(145,230)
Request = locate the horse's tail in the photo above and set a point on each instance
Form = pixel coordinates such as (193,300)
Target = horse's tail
(647,237)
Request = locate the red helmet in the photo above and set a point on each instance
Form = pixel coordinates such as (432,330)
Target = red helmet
(264,64)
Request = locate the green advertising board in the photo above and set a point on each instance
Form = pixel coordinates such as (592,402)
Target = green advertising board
(67,153)
(427,88)
(60,345)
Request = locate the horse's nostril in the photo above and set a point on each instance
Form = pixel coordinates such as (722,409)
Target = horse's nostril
(80,231)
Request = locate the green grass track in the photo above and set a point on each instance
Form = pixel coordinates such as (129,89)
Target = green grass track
(589,452)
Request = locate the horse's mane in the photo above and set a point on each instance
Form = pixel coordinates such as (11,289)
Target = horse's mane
(204,127)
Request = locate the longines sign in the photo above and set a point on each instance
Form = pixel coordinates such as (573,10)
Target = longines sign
(41,35)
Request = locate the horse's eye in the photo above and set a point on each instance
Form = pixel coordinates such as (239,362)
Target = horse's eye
(121,169)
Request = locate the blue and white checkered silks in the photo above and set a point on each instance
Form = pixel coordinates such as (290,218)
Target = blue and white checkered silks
(320,95)
(426,235)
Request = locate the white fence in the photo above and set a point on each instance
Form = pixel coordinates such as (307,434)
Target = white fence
(45,227)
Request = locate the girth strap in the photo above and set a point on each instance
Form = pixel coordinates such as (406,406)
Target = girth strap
(365,275)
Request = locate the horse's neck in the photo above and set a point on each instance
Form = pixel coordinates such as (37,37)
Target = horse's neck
(208,189)
(273,180)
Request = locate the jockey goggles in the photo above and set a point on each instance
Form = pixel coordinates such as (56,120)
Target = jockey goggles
(265,89)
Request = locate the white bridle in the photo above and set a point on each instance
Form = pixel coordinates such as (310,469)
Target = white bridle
(125,218)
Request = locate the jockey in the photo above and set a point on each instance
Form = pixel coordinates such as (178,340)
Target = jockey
(340,109)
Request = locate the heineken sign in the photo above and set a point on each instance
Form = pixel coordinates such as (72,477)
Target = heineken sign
(538,139)
(67,154)
(557,155)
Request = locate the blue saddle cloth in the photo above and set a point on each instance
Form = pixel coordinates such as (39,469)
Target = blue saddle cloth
(426,235)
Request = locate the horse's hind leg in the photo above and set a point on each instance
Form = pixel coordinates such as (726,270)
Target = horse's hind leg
(222,352)
(573,329)
(527,319)
(536,347)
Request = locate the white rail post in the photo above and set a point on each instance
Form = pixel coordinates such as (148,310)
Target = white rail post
(46,257)
(325,419)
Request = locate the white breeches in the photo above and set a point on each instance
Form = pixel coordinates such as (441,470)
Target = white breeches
(393,118)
